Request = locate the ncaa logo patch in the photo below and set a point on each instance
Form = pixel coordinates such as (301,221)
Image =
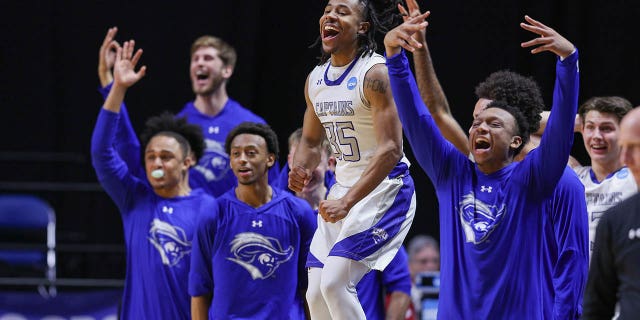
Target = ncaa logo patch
(351,84)
(623,173)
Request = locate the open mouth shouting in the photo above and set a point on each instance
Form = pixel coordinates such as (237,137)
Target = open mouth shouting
(329,32)
(202,76)
(481,144)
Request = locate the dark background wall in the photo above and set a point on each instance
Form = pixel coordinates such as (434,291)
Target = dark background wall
(49,98)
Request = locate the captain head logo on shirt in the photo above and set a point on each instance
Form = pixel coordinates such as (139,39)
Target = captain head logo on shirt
(170,241)
(478,218)
(214,164)
(259,255)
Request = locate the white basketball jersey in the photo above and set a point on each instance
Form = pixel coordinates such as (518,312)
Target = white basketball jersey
(337,95)
(604,195)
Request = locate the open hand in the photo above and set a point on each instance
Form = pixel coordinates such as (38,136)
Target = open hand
(107,56)
(413,10)
(549,39)
(401,36)
(123,71)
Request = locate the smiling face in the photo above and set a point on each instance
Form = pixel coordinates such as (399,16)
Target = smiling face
(207,71)
(600,133)
(250,159)
(340,25)
(164,154)
(491,139)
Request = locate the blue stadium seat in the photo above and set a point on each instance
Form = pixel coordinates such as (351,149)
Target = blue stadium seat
(28,235)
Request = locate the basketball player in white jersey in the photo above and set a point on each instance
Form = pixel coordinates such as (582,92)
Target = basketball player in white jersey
(369,210)
(607,181)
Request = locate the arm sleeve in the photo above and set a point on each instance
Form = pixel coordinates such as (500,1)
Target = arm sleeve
(112,172)
(396,277)
(557,138)
(431,150)
(126,142)
(602,283)
(570,224)
(201,270)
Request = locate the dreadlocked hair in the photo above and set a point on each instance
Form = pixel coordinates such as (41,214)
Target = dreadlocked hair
(382,16)
(189,136)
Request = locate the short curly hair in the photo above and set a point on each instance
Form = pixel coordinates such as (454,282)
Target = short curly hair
(617,106)
(517,91)
(522,126)
(189,136)
(259,129)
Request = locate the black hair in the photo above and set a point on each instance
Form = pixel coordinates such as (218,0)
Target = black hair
(189,136)
(259,129)
(382,16)
(522,126)
(516,90)
(617,106)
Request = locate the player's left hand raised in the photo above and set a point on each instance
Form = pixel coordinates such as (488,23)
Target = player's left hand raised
(549,40)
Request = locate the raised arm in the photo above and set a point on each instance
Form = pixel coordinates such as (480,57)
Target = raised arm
(107,57)
(126,142)
(124,75)
(558,136)
(430,88)
(535,137)
(431,150)
(112,172)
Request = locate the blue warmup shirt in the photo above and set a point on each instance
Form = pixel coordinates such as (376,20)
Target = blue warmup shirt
(158,232)
(373,286)
(493,245)
(567,238)
(213,173)
(252,259)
